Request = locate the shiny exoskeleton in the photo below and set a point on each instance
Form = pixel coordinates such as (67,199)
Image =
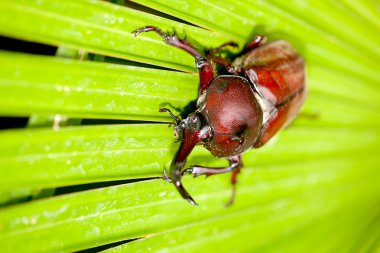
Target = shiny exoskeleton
(262,93)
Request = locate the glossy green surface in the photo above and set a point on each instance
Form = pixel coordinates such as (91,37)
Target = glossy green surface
(313,188)
(78,89)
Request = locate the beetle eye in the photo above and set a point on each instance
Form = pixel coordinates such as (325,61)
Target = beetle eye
(193,119)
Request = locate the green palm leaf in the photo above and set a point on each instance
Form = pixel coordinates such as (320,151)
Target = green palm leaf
(315,187)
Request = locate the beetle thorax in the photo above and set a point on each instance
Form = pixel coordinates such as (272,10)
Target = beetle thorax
(234,114)
(194,123)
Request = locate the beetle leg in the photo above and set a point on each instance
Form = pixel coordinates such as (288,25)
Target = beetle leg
(211,54)
(235,165)
(216,50)
(207,171)
(233,183)
(256,42)
(205,68)
(178,184)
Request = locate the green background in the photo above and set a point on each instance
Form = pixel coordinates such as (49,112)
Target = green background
(314,188)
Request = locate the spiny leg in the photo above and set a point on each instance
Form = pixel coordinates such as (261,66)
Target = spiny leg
(235,165)
(211,54)
(235,162)
(257,41)
(233,185)
(171,40)
(178,184)
(216,50)
(205,68)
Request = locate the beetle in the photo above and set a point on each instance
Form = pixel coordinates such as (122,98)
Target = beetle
(262,92)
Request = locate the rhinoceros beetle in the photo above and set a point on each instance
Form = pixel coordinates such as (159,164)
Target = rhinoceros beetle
(261,93)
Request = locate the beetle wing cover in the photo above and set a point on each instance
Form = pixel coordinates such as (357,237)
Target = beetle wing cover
(278,73)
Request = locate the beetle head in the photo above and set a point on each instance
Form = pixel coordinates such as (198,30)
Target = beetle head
(188,127)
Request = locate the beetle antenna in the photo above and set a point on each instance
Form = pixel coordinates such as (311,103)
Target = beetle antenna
(177,119)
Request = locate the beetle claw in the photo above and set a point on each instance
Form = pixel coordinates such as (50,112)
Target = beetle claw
(187,171)
(197,171)
(191,201)
(184,193)
(144,29)
(137,32)
(193,171)
(166,177)
(232,198)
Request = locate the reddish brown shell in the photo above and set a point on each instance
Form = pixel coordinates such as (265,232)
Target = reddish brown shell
(234,115)
(278,74)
